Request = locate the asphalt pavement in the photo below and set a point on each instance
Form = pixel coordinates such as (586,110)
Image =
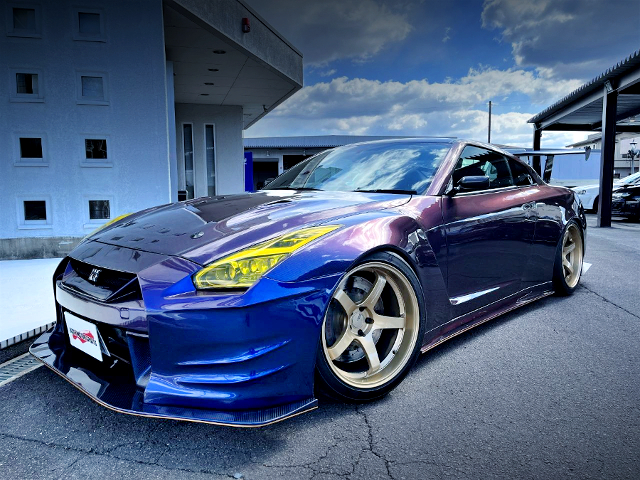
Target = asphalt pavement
(549,391)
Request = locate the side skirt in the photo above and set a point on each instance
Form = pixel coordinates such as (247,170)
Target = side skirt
(489,312)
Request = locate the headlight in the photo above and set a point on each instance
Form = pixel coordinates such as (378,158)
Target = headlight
(105,225)
(244,268)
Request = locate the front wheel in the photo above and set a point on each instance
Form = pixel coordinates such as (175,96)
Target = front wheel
(372,330)
(567,268)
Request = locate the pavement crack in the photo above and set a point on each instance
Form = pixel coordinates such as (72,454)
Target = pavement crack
(387,463)
(92,451)
(609,301)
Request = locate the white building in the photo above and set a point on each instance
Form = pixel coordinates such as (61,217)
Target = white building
(625,142)
(111,106)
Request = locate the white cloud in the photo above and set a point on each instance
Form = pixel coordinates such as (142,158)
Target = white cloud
(336,29)
(369,107)
(574,39)
(446,37)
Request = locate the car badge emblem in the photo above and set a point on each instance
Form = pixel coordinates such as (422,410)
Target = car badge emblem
(197,235)
(94,275)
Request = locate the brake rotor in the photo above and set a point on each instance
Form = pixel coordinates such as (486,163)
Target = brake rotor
(357,288)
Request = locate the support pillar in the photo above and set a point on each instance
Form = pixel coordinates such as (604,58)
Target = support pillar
(609,107)
(537,135)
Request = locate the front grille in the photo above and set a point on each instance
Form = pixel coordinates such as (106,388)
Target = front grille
(101,283)
(127,350)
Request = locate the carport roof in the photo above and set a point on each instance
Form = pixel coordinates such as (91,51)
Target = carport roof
(581,110)
(318,141)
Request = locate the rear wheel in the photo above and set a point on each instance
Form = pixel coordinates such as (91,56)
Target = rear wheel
(372,330)
(568,264)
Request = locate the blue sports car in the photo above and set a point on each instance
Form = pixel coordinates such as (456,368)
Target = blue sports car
(238,309)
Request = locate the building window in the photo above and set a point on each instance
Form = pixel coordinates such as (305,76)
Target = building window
(92,88)
(210,154)
(187,133)
(89,25)
(95,148)
(26,85)
(24,21)
(99,210)
(33,212)
(30,150)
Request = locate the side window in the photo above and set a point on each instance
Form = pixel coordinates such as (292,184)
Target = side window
(521,175)
(476,161)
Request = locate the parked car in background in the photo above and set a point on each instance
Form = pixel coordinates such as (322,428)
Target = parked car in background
(589,194)
(625,201)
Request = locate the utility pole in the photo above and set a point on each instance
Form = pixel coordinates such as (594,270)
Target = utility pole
(489,131)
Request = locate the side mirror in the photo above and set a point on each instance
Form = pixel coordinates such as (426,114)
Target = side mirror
(472,183)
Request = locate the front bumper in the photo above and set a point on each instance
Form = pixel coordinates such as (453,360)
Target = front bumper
(115,389)
(238,360)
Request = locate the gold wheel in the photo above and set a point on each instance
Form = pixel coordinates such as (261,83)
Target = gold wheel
(370,330)
(572,256)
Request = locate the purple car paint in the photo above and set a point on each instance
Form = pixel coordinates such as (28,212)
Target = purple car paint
(247,358)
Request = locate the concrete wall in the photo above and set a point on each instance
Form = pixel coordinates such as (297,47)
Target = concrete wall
(134,121)
(229,152)
(264,44)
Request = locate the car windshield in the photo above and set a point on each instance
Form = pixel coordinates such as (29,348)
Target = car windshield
(633,178)
(407,167)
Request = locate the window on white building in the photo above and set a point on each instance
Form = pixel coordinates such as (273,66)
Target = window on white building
(95,148)
(33,211)
(89,25)
(30,148)
(187,133)
(24,21)
(99,210)
(26,85)
(92,88)
(210,153)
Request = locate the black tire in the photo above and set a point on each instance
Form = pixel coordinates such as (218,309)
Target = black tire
(396,349)
(565,282)
(595,205)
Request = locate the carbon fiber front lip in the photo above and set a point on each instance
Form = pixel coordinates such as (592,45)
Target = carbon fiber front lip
(118,397)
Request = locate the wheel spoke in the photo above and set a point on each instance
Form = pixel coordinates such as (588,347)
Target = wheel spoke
(382,321)
(345,301)
(569,248)
(376,291)
(370,352)
(568,266)
(341,344)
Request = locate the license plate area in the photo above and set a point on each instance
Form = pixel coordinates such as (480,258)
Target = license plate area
(84,336)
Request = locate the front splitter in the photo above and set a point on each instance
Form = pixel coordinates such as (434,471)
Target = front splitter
(125,397)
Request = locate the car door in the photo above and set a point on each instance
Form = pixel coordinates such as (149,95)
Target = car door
(489,232)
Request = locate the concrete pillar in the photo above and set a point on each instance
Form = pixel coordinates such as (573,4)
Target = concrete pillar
(609,107)
(537,135)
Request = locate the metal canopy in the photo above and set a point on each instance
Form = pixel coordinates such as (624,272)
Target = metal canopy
(582,109)
(607,103)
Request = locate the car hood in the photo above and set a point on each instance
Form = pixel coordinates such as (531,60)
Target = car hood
(595,187)
(205,229)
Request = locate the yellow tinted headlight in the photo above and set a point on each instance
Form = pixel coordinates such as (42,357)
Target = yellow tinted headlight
(244,268)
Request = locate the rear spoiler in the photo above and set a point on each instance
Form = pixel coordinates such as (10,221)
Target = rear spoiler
(548,165)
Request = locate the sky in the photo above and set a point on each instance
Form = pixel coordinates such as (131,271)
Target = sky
(424,67)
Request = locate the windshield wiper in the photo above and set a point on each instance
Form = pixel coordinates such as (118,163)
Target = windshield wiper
(307,189)
(389,190)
